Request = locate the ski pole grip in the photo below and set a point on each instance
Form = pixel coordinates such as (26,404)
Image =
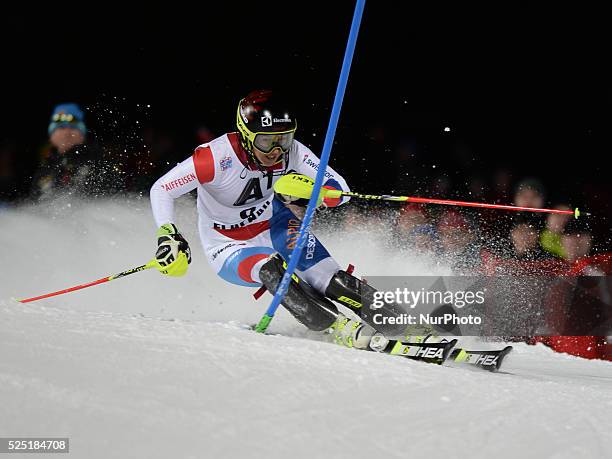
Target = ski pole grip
(329,193)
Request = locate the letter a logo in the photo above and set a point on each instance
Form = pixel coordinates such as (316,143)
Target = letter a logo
(251,192)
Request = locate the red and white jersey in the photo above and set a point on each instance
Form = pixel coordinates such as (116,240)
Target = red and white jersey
(231,194)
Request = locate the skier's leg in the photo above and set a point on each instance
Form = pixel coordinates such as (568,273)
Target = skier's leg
(314,310)
(320,270)
(316,266)
(305,303)
(242,261)
(359,297)
(241,266)
(249,264)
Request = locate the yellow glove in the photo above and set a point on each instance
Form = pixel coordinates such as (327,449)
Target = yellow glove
(173,253)
(296,189)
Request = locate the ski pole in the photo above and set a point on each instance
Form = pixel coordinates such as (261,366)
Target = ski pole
(338,193)
(301,186)
(281,290)
(149,265)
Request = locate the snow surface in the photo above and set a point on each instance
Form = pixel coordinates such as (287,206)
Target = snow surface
(150,367)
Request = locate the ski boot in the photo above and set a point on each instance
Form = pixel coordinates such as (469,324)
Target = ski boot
(354,333)
(317,312)
(358,296)
(306,304)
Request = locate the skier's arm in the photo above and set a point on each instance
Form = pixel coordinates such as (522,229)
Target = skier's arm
(309,165)
(183,178)
(173,254)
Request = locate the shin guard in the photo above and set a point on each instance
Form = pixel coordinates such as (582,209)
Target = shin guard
(305,304)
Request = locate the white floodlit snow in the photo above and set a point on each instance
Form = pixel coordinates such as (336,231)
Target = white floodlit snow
(155,367)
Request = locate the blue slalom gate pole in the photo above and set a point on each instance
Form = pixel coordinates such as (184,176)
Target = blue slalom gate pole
(327,146)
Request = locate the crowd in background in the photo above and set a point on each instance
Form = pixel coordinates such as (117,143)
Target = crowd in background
(469,240)
(74,160)
(465,237)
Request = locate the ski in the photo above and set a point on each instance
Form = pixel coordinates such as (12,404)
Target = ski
(438,353)
(426,352)
(488,360)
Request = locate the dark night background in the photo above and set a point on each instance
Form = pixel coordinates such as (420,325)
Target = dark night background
(522,89)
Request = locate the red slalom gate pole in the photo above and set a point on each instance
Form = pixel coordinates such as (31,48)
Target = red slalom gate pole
(150,264)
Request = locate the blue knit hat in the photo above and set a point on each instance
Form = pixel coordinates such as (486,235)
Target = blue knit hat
(67,115)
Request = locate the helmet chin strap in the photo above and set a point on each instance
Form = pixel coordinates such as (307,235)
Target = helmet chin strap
(253,159)
(248,147)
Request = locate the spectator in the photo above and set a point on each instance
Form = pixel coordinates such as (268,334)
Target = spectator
(415,230)
(459,240)
(551,236)
(525,243)
(529,192)
(71,162)
(411,215)
(424,238)
(576,242)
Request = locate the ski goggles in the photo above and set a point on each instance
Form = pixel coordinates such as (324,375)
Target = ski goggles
(268,142)
(68,120)
(64,118)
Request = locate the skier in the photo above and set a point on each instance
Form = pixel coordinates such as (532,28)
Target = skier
(247,231)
